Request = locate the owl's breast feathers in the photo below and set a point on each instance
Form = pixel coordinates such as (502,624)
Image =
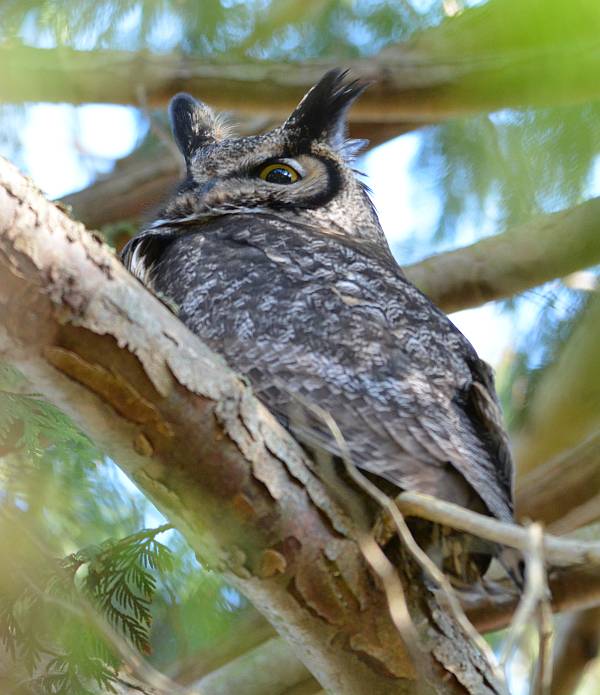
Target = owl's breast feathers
(311,317)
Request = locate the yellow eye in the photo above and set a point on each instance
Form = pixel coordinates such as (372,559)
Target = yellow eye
(278,172)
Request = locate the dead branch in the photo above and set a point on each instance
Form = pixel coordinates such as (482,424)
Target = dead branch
(191,435)
(557,551)
(533,600)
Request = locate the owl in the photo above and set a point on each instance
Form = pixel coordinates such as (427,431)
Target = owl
(271,252)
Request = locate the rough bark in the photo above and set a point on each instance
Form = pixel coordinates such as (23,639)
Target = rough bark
(188,431)
(477,61)
(574,589)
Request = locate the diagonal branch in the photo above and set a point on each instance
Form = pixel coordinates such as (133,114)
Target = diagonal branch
(547,247)
(564,492)
(189,432)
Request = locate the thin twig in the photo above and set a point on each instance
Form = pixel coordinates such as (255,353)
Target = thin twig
(534,599)
(375,558)
(557,551)
(546,647)
(416,551)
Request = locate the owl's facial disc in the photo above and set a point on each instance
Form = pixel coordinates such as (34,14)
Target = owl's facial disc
(302,168)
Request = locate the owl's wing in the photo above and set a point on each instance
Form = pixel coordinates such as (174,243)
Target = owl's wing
(310,318)
(428,445)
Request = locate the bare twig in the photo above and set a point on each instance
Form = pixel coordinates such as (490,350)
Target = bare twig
(416,551)
(370,549)
(535,593)
(557,551)
(546,646)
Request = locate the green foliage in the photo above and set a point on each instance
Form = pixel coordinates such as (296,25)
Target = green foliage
(259,28)
(64,494)
(500,170)
(57,617)
(560,310)
(29,425)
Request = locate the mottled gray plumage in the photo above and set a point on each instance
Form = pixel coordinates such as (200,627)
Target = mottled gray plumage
(295,285)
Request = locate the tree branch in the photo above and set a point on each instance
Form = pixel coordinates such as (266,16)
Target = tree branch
(572,589)
(264,669)
(477,61)
(191,435)
(542,249)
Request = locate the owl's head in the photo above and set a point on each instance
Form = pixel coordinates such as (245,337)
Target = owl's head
(301,170)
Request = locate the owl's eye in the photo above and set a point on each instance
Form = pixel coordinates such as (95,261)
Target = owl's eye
(278,172)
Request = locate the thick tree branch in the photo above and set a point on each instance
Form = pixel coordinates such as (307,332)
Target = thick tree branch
(485,59)
(264,669)
(572,589)
(542,249)
(191,435)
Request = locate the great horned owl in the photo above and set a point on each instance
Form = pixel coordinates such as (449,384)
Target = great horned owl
(272,252)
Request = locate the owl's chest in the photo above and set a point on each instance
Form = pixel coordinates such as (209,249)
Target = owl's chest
(227,285)
(265,293)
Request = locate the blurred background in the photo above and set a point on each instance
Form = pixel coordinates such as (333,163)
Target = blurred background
(484,121)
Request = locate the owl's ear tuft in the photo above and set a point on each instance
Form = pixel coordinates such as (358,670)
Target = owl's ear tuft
(321,115)
(193,124)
